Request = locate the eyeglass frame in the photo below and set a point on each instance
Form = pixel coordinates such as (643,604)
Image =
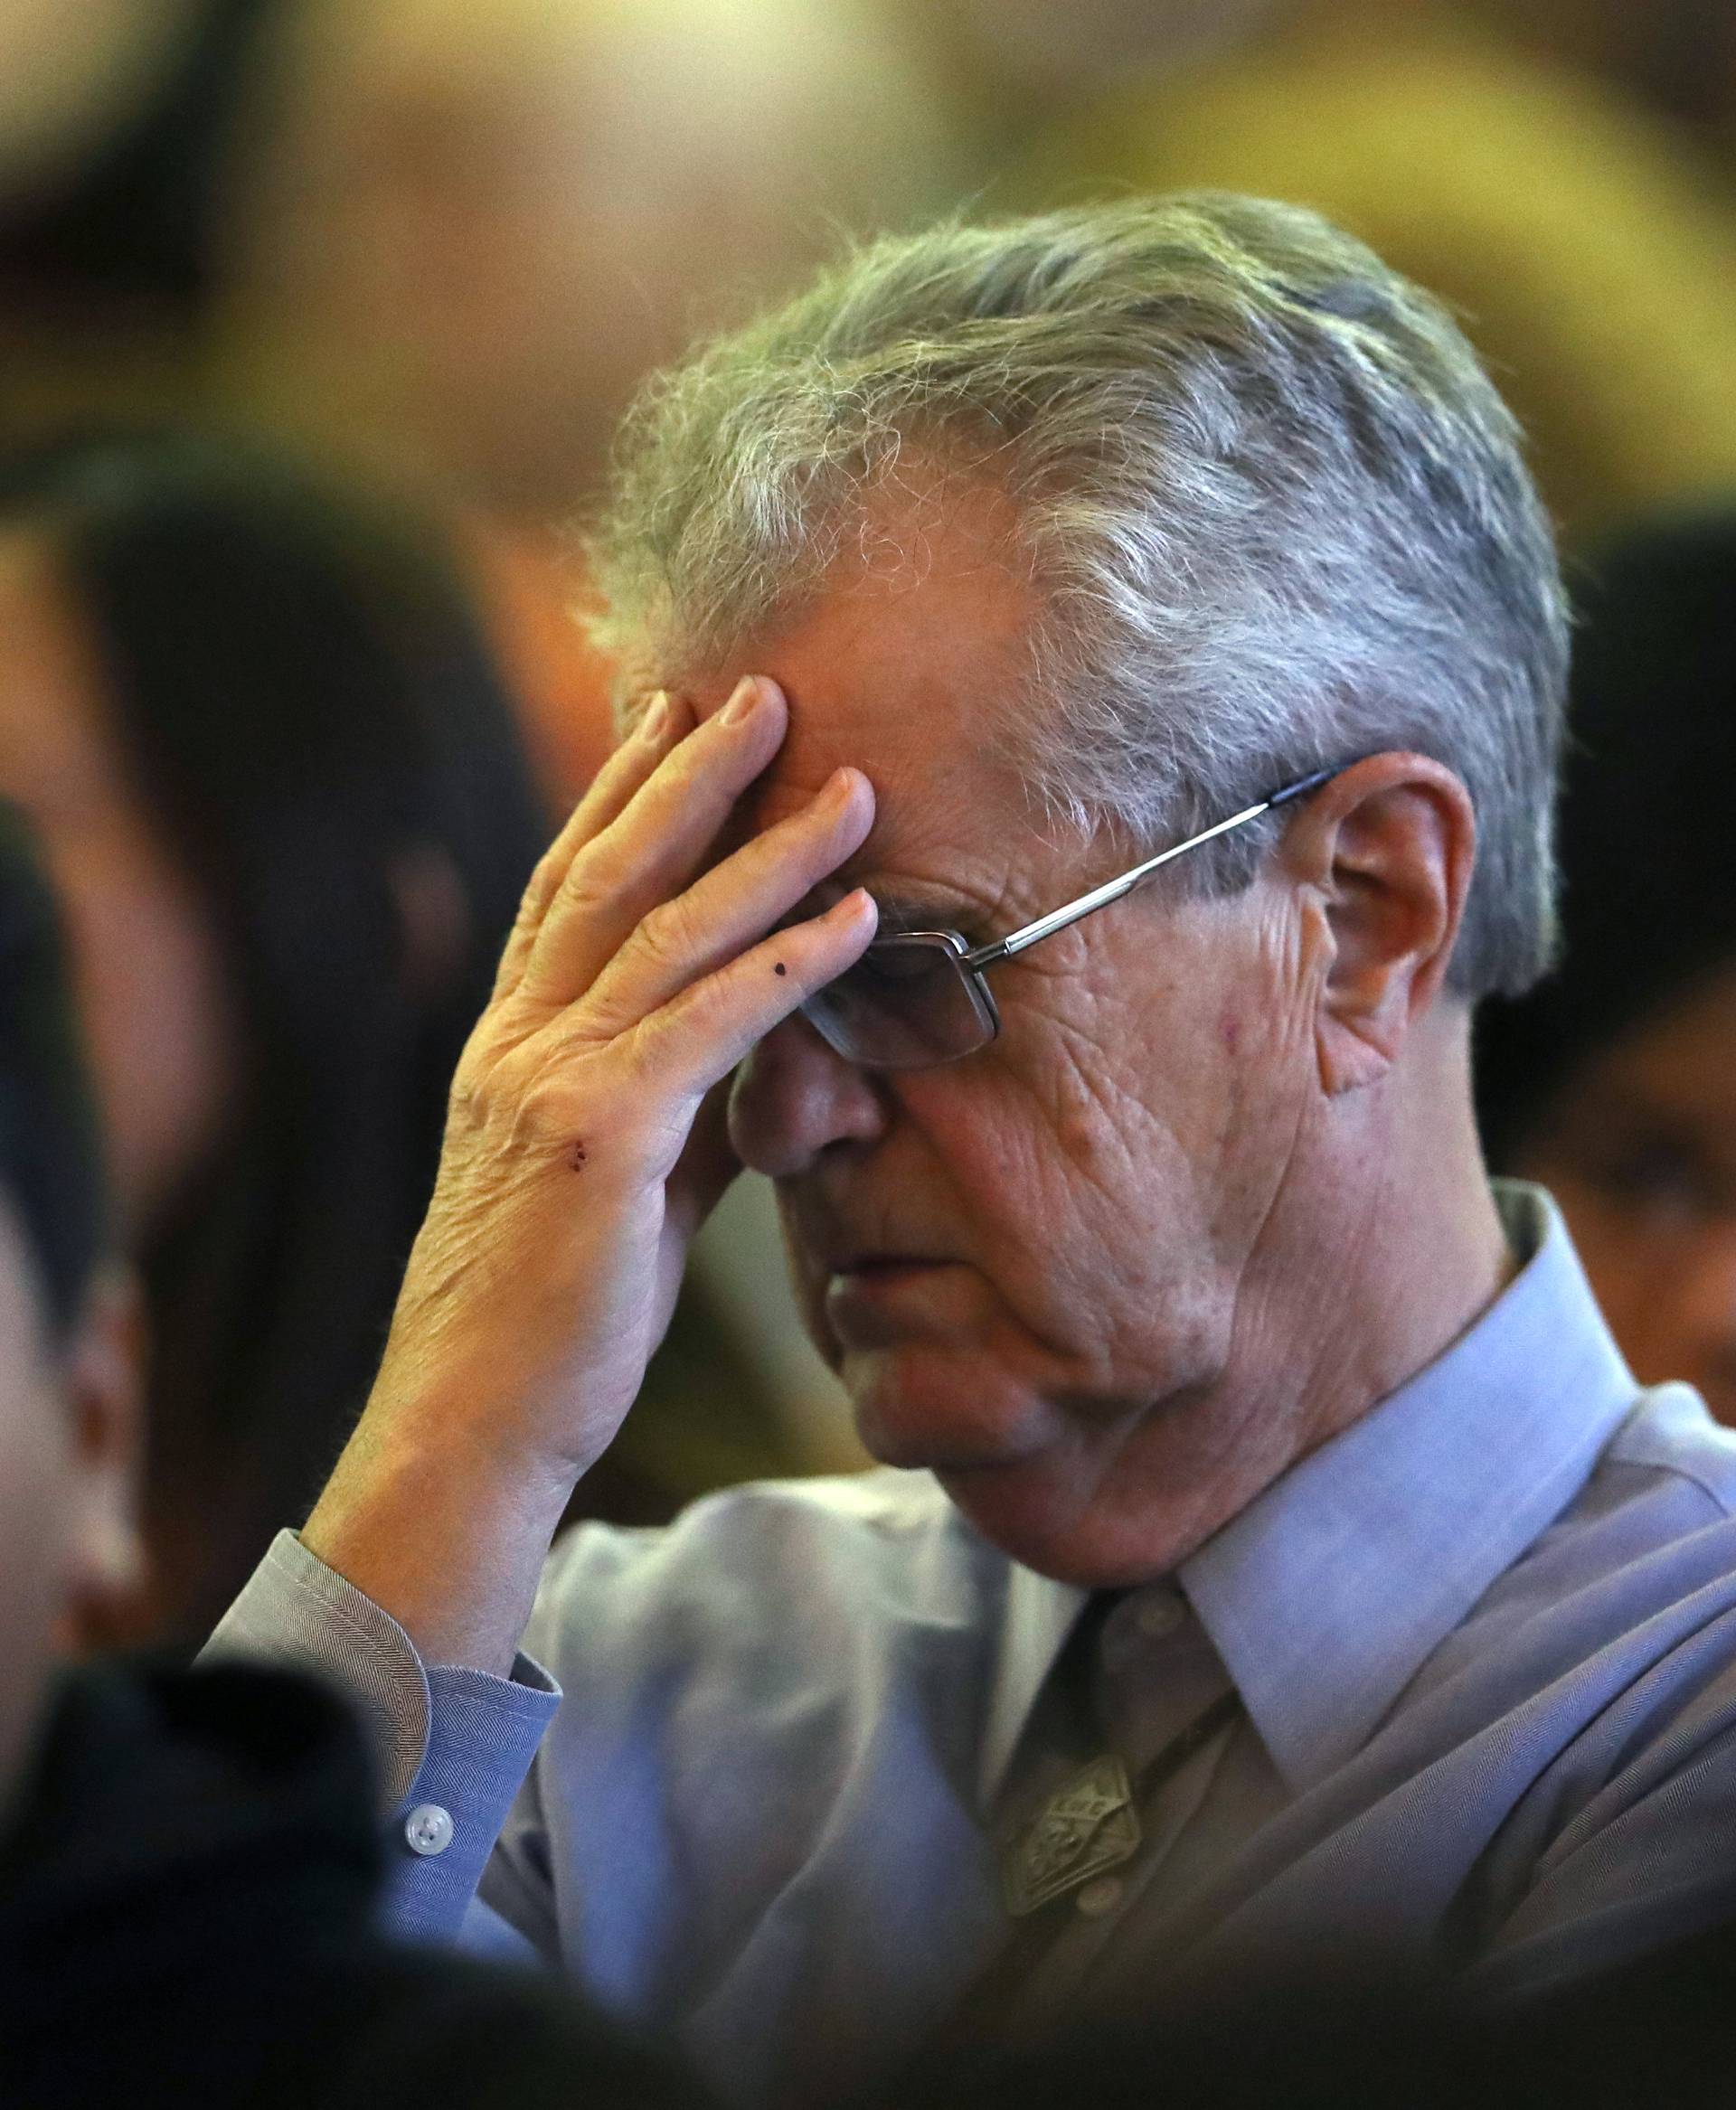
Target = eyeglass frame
(974,961)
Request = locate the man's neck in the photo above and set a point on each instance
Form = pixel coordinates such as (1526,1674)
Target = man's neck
(1405,1253)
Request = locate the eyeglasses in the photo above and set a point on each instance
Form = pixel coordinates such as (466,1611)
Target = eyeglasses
(918,997)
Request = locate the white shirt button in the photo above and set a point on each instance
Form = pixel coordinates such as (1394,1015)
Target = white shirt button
(1100,1897)
(429,1828)
(1159,1616)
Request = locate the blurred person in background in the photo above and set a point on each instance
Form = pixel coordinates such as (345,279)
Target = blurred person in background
(1677,56)
(279,787)
(451,235)
(254,711)
(188,1870)
(1560,217)
(1614,1082)
(460,235)
(116,122)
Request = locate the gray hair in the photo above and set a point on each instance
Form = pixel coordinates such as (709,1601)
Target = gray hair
(1278,510)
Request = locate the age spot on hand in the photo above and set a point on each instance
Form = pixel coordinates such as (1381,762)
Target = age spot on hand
(781,968)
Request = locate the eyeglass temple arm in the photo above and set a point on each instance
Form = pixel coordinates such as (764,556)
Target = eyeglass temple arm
(1003,948)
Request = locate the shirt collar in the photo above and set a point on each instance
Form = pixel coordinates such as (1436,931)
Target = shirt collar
(1328,1592)
(1036,1618)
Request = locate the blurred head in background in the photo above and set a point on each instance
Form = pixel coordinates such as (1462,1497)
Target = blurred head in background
(1614,1083)
(67,1372)
(474,229)
(1044,56)
(278,787)
(1548,206)
(116,119)
(1679,57)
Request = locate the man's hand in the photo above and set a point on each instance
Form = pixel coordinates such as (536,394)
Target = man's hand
(578,1163)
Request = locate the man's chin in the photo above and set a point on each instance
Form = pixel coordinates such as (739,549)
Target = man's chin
(916,1407)
(1033,1478)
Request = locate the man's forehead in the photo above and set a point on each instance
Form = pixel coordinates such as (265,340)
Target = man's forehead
(919,678)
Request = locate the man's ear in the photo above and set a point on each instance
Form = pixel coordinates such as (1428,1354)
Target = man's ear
(1387,848)
(105,1390)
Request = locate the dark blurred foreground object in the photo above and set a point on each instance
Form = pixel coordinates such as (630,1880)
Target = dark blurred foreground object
(1614,1082)
(1657,2036)
(294,741)
(187,1900)
(189,1868)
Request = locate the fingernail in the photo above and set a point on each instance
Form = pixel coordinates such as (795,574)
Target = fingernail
(656,721)
(744,700)
(856,907)
(837,788)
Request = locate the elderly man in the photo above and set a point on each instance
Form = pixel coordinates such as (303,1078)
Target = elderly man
(1108,676)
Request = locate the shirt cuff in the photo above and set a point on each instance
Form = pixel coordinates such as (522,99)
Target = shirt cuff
(484,1731)
(296,1611)
(453,1744)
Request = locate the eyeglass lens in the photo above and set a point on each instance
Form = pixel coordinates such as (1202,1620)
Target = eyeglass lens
(908,1001)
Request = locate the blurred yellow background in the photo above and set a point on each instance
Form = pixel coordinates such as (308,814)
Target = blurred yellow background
(436,244)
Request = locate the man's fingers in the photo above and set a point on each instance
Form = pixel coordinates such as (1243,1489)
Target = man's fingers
(654,845)
(694,1042)
(660,727)
(666,721)
(731,906)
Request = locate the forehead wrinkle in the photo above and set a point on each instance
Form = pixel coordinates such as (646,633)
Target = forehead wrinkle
(904,677)
(926,846)
(935,874)
(911,900)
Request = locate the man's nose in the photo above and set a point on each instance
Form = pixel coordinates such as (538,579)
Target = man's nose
(793,1097)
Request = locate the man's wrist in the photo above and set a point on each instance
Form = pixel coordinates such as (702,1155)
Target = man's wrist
(447,1534)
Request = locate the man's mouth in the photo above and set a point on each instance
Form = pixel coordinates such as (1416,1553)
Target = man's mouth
(883,1267)
(874,1299)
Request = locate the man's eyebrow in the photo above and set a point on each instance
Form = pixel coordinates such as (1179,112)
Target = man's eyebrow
(906,910)
(901,909)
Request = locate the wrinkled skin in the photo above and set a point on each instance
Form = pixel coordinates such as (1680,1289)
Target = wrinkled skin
(581,1152)
(1214,1192)
(1066,1273)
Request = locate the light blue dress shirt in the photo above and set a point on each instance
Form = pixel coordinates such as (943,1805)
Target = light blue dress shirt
(1484,1640)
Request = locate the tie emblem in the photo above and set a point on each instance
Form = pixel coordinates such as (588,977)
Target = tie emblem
(1088,1824)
